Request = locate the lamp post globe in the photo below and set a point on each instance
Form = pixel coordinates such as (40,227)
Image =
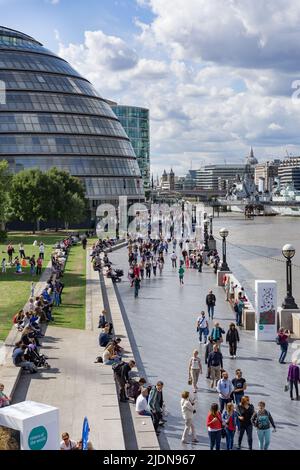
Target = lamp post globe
(288,252)
(224,234)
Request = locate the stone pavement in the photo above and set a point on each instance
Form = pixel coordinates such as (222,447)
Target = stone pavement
(162,328)
(74,383)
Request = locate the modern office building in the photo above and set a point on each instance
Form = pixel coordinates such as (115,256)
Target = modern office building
(190,180)
(289,172)
(52,116)
(135,121)
(218,176)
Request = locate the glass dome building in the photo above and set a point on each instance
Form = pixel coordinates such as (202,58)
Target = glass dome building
(52,116)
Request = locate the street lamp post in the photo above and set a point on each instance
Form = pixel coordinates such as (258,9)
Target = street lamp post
(205,223)
(211,237)
(288,252)
(224,234)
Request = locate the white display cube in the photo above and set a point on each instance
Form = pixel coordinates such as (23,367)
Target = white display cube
(37,423)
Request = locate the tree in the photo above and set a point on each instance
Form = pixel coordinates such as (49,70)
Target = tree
(30,196)
(5,179)
(68,201)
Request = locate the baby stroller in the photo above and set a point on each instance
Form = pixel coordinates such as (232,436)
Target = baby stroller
(39,360)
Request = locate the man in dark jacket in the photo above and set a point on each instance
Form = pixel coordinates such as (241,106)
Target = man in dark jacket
(211,302)
(232,337)
(208,349)
(155,404)
(215,362)
(121,374)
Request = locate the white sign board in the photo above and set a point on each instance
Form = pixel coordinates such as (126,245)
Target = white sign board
(37,423)
(265,310)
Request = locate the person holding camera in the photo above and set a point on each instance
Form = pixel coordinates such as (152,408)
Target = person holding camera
(188,410)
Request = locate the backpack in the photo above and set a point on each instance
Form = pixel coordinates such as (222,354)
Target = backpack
(236,308)
(277,339)
(117,367)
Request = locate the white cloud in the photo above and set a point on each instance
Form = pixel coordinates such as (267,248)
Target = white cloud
(215,75)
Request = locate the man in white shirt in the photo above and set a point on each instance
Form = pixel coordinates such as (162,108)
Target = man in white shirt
(174,258)
(142,404)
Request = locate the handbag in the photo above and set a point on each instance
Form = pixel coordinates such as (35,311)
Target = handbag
(287,387)
(190,381)
(223,430)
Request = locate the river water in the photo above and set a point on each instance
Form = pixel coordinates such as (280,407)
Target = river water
(254,250)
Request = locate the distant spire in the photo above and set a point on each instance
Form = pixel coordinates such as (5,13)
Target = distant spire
(251,153)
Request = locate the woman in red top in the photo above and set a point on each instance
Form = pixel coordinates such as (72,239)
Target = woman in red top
(214,426)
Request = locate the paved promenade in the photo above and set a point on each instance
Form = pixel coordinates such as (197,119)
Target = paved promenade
(74,383)
(162,322)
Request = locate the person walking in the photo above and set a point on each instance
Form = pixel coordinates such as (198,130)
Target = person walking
(195,368)
(199,263)
(39,265)
(32,263)
(232,338)
(238,308)
(211,303)
(294,378)
(231,423)
(155,404)
(214,426)
(181,275)
(42,250)
(174,259)
(154,265)
(137,286)
(283,341)
(215,363)
(188,410)
(224,388)
(217,333)
(239,386)
(263,421)
(202,327)
(21,251)
(208,349)
(245,411)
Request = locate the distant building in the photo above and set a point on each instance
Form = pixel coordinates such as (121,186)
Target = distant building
(167,181)
(251,159)
(265,174)
(219,176)
(289,172)
(135,122)
(190,181)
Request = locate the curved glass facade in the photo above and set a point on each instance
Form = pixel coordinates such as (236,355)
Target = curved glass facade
(54,117)
(135,121)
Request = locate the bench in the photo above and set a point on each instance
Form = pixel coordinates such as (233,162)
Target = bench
(144,431)
(111,431)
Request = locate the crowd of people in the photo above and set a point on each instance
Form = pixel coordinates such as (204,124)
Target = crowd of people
(234,413)
(38,311)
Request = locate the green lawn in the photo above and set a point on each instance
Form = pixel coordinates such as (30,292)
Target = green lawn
(15,288)
(71,313)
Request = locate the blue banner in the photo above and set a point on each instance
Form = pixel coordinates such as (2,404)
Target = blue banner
(85,434)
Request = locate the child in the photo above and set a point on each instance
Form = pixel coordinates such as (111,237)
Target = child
(4,399)
(181,274)
(3,265)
